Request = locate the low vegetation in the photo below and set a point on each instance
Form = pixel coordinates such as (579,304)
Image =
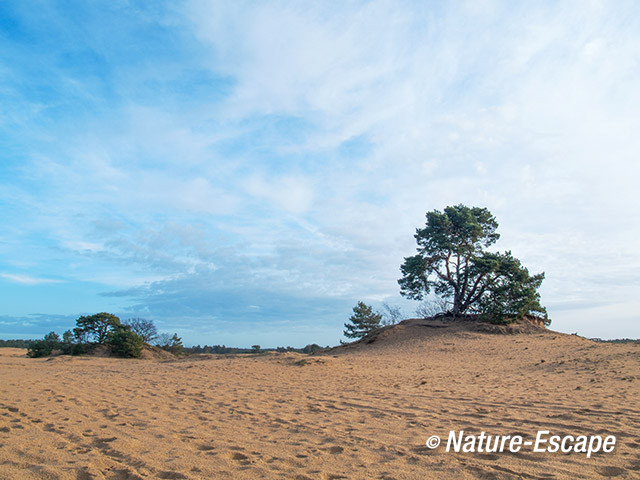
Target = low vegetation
(127,339)
(123,339)
(224,350)
(90,332)
(16,343)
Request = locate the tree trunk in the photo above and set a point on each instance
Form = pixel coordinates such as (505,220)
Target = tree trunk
(456,306)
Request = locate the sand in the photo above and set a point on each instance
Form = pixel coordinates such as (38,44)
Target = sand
(363,412)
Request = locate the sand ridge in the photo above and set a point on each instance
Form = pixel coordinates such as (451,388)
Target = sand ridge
(357,412)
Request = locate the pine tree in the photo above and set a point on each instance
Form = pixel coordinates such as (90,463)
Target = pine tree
(363,321)
(452,260)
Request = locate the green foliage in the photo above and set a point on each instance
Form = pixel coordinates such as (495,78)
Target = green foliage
(95,328)
(39,348)
(255,348)
(363,321)
(513,294)
(81,348)
(53,338)
(312,348)
(44,347)
(67,337)
(102,328)
(452,262)
(67,343)
(124,342)
(16,343)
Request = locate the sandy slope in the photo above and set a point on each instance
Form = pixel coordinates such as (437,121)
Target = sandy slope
(360,412)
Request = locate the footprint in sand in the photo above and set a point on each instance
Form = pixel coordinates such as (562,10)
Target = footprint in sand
(610,471)
(238,457)
(336,449)
(171,475)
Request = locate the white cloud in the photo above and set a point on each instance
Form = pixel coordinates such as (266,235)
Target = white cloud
(293,194)
(27,279)
(527,110)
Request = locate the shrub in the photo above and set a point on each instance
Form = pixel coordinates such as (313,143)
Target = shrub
(81,348)
(125,343)
(44,347)
(312,348)
(363,321)
(39,348)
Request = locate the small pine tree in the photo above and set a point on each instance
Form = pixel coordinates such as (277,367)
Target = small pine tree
(175,345)
(67,344)
(43,348)
(363,321)
(124,342)
(67,337)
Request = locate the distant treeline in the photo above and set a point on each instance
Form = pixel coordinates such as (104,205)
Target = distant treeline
(222,349)
(16,343)
(219,349)
(616,340)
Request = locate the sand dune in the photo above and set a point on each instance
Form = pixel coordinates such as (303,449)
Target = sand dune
(358,412)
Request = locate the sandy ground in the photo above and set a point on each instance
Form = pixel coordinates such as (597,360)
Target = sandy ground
(358,413)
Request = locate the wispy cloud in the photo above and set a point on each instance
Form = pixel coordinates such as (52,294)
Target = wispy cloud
(27,279)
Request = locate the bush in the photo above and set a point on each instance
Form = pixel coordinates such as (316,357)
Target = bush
(39,348)
(312,348)
(67,343)
(125,343)
(363,321)
(81,348)
(44,347)
(102,328)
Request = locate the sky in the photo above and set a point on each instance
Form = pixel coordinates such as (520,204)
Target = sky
(245,172)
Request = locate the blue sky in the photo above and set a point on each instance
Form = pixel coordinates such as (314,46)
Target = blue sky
(245,172)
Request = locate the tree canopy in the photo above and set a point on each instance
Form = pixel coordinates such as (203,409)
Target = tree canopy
(95,327)
(363,321)
(144,328)
(452,261)
(93,330)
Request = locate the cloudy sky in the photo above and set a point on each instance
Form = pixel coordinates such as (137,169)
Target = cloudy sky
(245,172)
